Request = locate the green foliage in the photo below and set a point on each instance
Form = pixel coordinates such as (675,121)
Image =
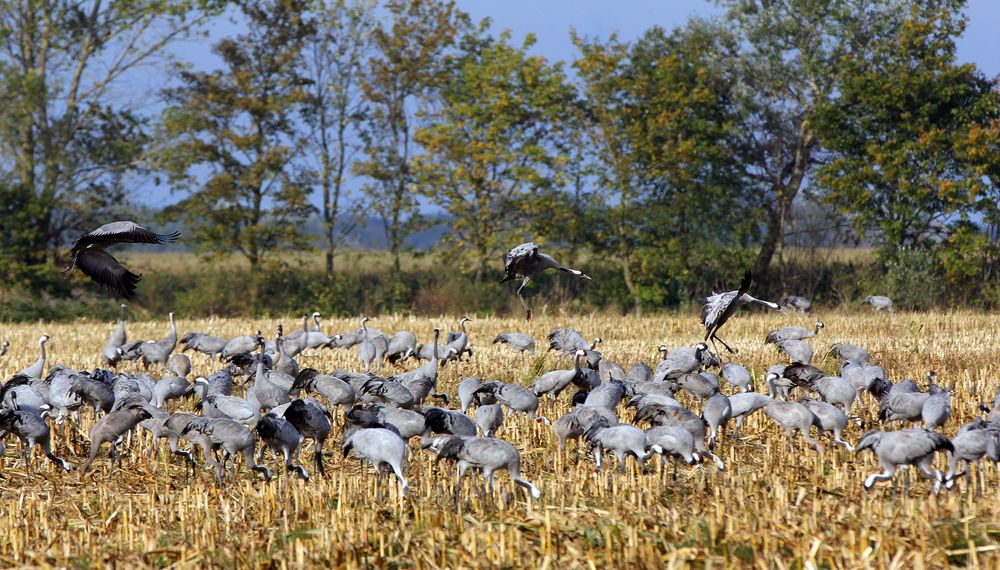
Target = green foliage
(913,279)
(411,59)
(490,160)
(904,165)
(232,138)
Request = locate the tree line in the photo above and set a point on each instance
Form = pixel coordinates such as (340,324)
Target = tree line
(669,160)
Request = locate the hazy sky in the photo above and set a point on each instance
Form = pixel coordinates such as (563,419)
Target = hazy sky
(551,20)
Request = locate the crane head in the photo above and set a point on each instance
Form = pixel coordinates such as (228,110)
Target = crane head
(43,339)
(819,324)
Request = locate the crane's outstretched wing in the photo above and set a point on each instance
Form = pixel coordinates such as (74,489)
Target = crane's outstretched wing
(517,254)
(104,269)
(123,232)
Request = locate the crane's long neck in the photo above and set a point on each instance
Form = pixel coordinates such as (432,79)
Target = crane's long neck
(316,320)
(41,348)
(364,327)
(434,354)
(576,363)
(462,324)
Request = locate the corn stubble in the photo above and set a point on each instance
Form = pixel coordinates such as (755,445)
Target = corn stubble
(769,508)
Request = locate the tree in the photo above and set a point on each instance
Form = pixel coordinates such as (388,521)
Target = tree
(660,118)
(231,139)
(490,148)
(786,55)
(68,140)
(409,63)
(906,134)
(335,105)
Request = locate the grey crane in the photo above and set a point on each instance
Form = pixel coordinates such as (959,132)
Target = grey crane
(393,393)
(937,408)
(737,376)
(313,422)
(159,351)
(283,362)
(179,364)
(902,402)
(743,405)
(555,381)
(170,388)
(793,416)
(797,303)
(717,413)
(218,384)
(913,446)
(696,385)
(861,374)
(112,349)
(567,341)
(683,360)
(606,395)
(281,437)
(486,454)
(32,430)
(402,345)
(24,397)
(466,393)
(211,346)
(382,448)
(408,423)
(574,425)
(440,420)
(241,345)
(366,351)
(164,425)
(621,439)
(489,418)
(265,392)
(793,333)
(831,419)
(232,438)
(336,391)
(672,441)
(88,254)
(848,351)
(520,342)
(457,343)
(36,371)
(719,307)
(96,393)
(515,397)
(524,262)
(836,391)
(974,441)
(422,381)
(880,303)
(640,372)
(798,351)
(232,407)
(112,427)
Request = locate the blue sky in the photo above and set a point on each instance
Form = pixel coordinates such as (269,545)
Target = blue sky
(551,20)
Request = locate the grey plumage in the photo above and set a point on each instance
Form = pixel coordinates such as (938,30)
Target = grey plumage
(831,420)
(743,405)
(111,427)
(89,256)
(518,341)
(904,447)
(158,352)
(382,448)
(232,438)
(717,413)
(180,365)
(211,346)
(401,346)
(32,430)
(848,351)
(525,262)
(719,307)
(442,421)
(737,376)
(36,371)
(575,424)
(797,303)
(489,418)
(112,349)
(792,333)
(281,437)
(621,439)
(312,421)
(515,397)
(792,416)
(798,351)
(880,303)
(486,454)
(241,345)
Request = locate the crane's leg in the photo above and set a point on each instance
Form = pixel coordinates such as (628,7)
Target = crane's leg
(521,297)
(714,338)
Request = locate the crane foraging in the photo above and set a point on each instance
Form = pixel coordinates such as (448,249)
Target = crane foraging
(720,306)
(88,254)
(524,262)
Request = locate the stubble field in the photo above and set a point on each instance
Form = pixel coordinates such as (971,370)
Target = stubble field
(768,508)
